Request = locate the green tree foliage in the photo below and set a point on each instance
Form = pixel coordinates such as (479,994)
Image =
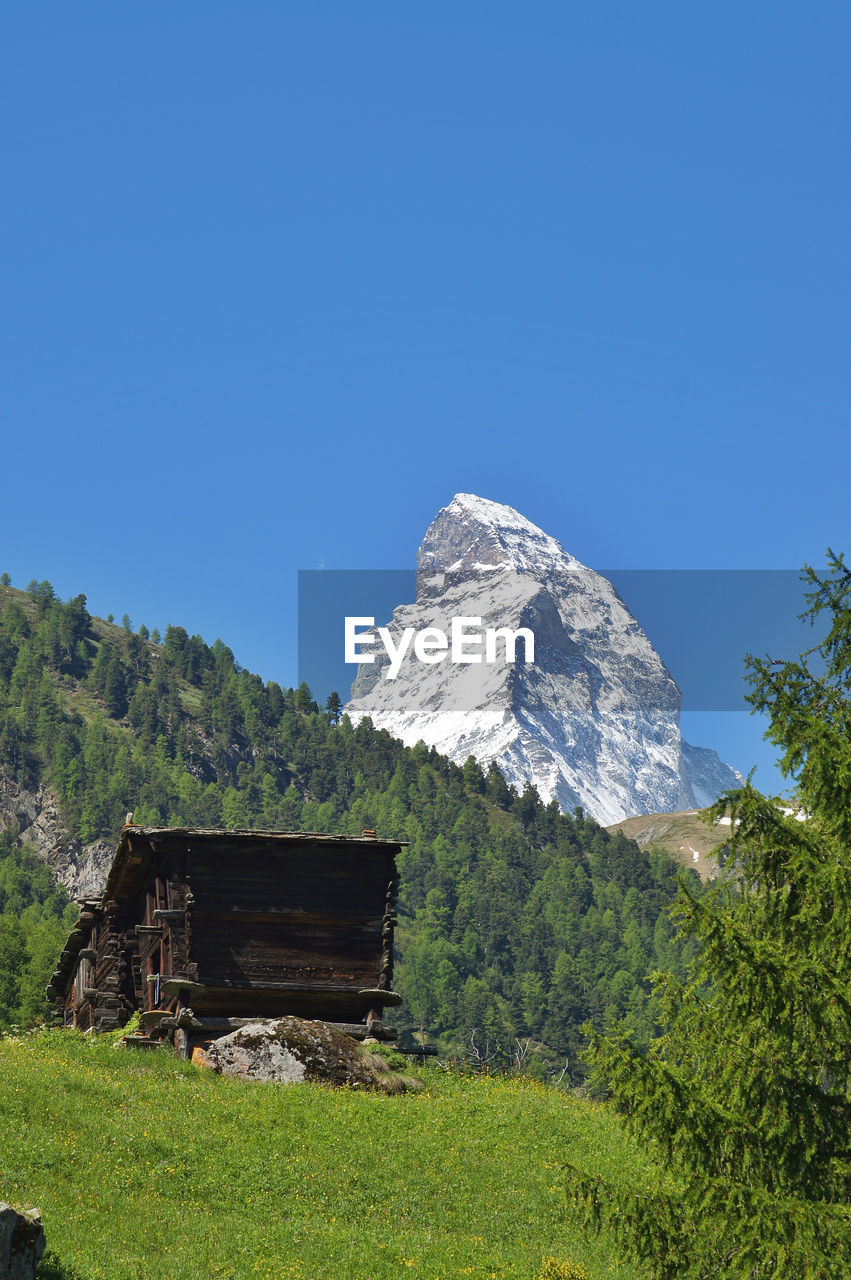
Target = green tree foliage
(744,1100)
(35,916)
(41,593)
(515,921)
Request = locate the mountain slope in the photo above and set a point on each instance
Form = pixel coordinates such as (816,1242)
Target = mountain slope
(593,721)
(515,921)
(684,836)
(232,1178)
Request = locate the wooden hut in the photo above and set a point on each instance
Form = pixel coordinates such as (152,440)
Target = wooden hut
(203,931)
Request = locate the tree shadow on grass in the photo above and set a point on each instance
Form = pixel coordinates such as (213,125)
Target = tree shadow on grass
(52,1268)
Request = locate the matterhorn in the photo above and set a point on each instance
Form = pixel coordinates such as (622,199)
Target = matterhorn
(592,720)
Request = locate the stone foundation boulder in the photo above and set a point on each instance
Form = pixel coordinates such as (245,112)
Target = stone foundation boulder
(21,1243)
(291,1050)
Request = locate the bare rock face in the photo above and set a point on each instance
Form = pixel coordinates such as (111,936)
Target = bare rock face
(291,1050)
(82,869)
(21,1243)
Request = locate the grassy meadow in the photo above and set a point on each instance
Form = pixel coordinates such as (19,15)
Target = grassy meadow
(145,1166)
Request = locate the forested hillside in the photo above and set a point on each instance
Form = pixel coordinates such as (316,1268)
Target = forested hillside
(516,922)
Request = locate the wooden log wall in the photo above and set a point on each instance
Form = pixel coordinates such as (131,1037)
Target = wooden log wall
(293,923)
(234,924)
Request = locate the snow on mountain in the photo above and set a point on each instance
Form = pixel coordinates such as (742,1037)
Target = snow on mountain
(593,721)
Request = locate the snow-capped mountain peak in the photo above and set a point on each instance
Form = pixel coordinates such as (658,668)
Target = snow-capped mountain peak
(473,535)
(593,720)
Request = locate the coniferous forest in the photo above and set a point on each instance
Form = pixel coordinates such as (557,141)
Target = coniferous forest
(516,924)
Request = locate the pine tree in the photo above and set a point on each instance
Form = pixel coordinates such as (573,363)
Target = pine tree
(743,1103)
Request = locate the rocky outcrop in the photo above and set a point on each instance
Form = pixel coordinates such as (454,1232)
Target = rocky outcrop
(21,1243)
(593,721)
(36,817)
(291,1050)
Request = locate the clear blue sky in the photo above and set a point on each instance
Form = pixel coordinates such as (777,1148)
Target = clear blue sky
(279,279)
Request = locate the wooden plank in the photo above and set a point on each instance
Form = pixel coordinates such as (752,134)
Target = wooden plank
(333,882)
(256,950)
(284,917)
(162,837)
(199,1022)
(212,984)
(359,1030)
(140,1042)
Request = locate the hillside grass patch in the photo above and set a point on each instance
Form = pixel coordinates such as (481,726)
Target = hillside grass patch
(146,1166)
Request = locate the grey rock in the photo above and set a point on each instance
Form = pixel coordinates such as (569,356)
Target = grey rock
(292,1050)
(21,1243)
(36,816)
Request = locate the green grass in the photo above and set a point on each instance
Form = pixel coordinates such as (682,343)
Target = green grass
(191,699)
(145,1166)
